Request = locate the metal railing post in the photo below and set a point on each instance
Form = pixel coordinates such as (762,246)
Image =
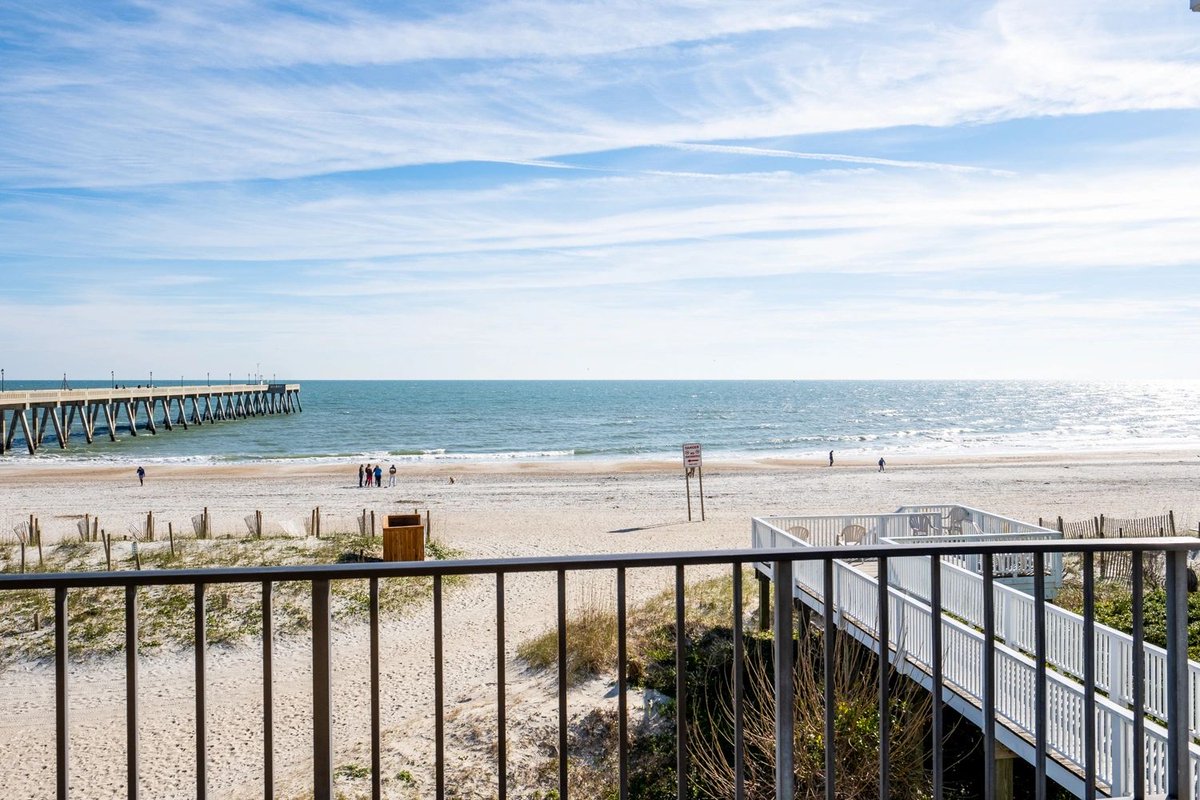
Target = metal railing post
(622,687)
(681,738)
(131,692)
(322,693)
(827,602)
(885,656)
(268,678)
(935,664)
(1089,676)
(989,680)
(200,643)
(61,700)
(1041,724)
(501,703)
(739,678)
(376,740)
(1178,768)
(1138,656)
(785,687)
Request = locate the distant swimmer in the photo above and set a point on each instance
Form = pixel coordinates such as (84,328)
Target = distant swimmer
(882,464)
(831,458)
(141,473)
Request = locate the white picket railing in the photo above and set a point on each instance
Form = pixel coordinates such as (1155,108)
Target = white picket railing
(962,596)
(909,644)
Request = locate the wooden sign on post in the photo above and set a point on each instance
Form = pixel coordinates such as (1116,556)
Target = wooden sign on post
(693,464)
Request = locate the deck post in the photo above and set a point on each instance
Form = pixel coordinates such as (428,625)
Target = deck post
(1005,761)
(131,415)
(3,430)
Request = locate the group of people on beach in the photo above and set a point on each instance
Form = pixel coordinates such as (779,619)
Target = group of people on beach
(373,476)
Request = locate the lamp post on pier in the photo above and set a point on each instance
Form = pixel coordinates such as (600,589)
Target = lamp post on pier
(1,380)
(112,378)
(151,379)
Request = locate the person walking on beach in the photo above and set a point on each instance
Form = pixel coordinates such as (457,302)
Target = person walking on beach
(361,470)
(370,475)
(378,476)
(882,463)
(831,458)
(141,473)
(392,476)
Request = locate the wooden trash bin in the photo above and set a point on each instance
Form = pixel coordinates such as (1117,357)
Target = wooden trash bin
(403,538)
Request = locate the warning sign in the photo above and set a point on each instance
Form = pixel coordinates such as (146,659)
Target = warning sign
(691,455)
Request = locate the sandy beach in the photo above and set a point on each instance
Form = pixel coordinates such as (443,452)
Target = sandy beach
(491,510)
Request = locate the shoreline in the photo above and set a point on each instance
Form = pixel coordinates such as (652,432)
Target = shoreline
(101,470)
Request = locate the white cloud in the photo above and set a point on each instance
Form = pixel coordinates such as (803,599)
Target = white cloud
(179,97)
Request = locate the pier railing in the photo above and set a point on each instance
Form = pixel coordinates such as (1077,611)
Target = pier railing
(1103,744)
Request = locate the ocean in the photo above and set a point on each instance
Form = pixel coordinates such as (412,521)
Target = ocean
(514,420)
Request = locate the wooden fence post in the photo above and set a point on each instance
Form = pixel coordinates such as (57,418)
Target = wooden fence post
(171,536)
(104,537)
(428,527)
(372,525)
(1171,517)
(41,561)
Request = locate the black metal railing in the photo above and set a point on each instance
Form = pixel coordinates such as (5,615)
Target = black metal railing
(779,562)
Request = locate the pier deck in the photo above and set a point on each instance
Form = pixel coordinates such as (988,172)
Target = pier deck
(34,413)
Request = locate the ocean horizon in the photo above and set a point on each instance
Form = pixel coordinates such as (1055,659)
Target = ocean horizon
(349,420)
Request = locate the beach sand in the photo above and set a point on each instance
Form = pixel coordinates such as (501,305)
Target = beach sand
(490,511)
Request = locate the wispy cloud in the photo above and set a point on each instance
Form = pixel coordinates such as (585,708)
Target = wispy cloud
(1000,186)
(744,150)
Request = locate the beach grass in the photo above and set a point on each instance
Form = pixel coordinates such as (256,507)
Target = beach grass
(96,616)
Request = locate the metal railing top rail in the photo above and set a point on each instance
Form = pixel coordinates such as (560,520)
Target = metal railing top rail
(493,566)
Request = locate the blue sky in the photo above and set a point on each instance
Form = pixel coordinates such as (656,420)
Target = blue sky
(542,189)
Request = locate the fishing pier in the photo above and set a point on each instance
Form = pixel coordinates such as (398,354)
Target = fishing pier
(144,408)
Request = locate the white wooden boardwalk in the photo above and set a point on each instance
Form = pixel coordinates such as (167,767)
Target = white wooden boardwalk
(856,608)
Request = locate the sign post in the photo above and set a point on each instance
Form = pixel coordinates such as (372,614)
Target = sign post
(693,464)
